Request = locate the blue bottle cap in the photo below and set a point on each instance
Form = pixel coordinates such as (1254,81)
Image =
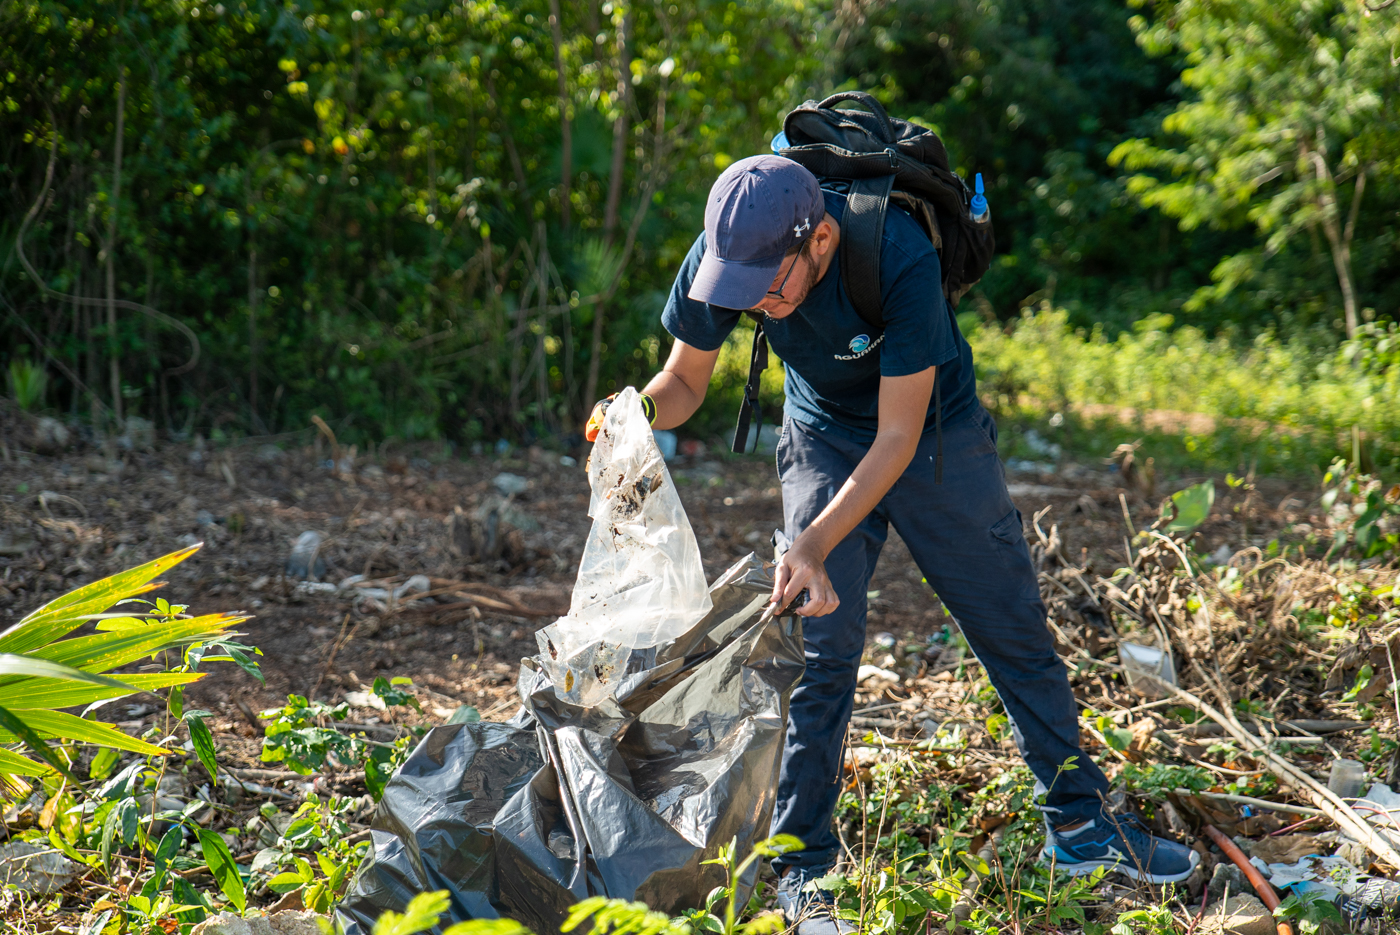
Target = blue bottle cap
(979,201)
(780,142)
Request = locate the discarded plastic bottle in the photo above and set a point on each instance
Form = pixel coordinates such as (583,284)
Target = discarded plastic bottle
(980,212)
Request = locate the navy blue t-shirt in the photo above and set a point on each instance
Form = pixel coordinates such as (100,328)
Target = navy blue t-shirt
(834,359)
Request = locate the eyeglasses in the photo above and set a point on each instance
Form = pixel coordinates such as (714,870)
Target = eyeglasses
(778,293)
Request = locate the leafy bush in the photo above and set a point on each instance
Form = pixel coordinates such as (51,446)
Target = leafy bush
(321,830)
(402,266)
(302,735)
(1362,511)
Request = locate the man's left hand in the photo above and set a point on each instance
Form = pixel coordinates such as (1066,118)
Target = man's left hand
(802,566)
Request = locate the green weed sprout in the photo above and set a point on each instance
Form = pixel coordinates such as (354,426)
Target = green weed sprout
(621,917)
(1311,911)
(775,846)
(321,829)
(28,383)
(297,736)
(423,912)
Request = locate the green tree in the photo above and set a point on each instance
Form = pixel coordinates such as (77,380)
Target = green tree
(1292,110)
(418,219)
(1034,94)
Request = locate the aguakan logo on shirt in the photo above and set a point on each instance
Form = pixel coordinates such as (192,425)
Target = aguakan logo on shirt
(860,346)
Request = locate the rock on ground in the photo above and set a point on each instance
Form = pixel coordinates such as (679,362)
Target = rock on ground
(1226,878)
(291,922)
(1240,915)
(35,870)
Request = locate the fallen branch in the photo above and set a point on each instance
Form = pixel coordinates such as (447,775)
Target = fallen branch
(1309,726)
(1326,800)
(266,775)
(254,788)
(1260,803)
(490,603)
(502,599)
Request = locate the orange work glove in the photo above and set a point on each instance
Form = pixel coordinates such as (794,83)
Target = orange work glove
(600,410)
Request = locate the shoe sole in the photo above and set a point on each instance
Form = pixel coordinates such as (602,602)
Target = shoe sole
(1085,867)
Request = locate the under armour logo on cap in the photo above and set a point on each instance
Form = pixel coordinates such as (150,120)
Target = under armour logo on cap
(758,209)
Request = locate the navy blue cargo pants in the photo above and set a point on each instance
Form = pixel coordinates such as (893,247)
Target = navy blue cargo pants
(965,536)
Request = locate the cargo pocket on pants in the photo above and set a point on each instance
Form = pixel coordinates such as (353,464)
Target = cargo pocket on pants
(1008,539)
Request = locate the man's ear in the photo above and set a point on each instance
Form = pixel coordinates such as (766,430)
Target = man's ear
(824,238)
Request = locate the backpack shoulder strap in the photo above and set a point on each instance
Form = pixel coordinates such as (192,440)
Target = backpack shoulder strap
(758,362)
(862,228)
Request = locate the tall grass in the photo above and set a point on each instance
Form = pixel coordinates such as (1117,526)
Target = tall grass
(1281,404)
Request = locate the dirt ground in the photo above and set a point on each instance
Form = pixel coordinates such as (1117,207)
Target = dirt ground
(497,536)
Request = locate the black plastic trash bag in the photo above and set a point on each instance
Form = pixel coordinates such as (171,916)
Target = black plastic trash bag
(624,799)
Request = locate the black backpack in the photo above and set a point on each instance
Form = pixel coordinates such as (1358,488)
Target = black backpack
(875,160)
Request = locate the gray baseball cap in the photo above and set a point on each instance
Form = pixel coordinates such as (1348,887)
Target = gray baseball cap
(759,208)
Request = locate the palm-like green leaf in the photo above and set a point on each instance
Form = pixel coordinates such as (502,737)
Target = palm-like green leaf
(59,725)
(13,764)
(15,664)
(42,669)
(52,693)
(65,614)
(15,729)
(100,652)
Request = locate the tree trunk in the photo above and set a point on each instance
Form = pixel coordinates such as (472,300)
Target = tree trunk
(566,156)
(1339,239)
(506,137)
(616,179)
(113,350)
(1341,261)
(591,23)
(616,175)
(1347,236)
(253,326)
(79,195)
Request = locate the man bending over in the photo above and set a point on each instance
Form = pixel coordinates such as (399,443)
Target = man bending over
(861,449)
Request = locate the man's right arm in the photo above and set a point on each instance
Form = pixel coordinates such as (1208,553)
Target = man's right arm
(679,389)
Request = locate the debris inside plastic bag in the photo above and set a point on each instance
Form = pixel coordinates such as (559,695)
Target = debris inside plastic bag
(625,799)
(641,582)
(649,736)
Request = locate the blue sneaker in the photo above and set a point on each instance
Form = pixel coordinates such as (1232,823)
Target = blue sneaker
(810,910)
(1120,843)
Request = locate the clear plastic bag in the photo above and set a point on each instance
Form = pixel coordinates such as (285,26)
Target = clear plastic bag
(641,582)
